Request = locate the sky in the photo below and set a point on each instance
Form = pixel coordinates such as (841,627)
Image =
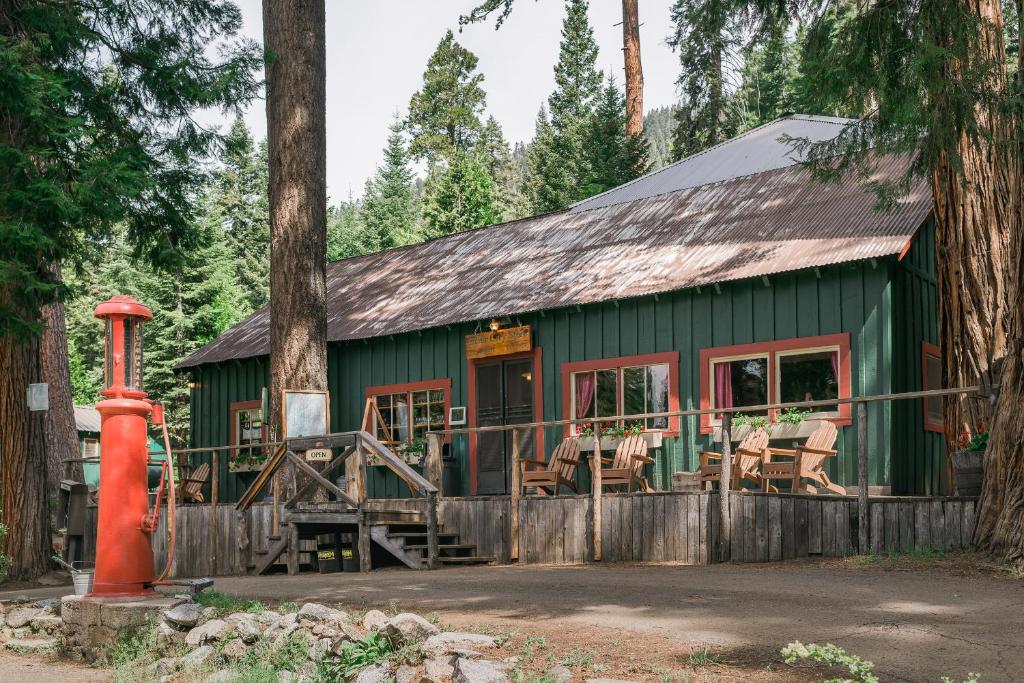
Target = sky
(377,51)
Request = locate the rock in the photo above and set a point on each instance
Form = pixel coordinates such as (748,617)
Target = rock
(245,626)
(196,658)
(47,623)
(209,613)
(455,642)
(608,680)
(408,628)
(321,614)
(267,617)
(285,676)
(165,633)
(57,578)
(284,622)
(23,632)
(208,632)
(33,644)
(378,673)
(223,676)
(22,616)
(235,648)
(560,673)
(439,668)
(167,665)
(407,674)
(374,620)
(78,612)
(50,604)
(184,616)
(478,671)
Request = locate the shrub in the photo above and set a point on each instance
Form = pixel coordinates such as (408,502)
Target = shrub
(861,670)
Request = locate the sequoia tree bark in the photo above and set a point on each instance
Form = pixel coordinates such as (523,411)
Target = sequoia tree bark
(979,239)
(634,68)
(293,33)
(61,433)
(22,456)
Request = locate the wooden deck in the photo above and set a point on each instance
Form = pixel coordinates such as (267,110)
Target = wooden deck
(658,527)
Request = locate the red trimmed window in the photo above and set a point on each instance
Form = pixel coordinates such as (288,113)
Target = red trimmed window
(632,385)
(782,371)
(410,410)
(931,378)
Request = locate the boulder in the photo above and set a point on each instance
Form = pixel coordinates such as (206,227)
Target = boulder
(267,617)
(374,620)
(245,625)
(47,622)
(31,644)
(235,648)
(478,671)
(215,629)
(196,658)
(408,674)
(50,604)
(560,673)
(439,668)
(378,673)
(186,615)
(167,665)
(22,616)
(222,676)
(408,628)
(455,642)
(165,633)
(316,613)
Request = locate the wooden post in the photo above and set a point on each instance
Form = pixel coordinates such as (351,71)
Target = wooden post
(514,498)
(364,529)
(863,530)
(595,474)
(214,500)
(432,544)
(293,549)
(433,468)
(724,491)
(275,510)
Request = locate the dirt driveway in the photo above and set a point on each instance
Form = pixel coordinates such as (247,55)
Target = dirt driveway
(915,626)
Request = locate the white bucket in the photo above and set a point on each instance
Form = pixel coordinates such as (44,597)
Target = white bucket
(83,581)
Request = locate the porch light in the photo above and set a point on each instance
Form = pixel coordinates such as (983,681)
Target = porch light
(495,325)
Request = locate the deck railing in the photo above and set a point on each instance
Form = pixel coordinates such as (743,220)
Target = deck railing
(435,438)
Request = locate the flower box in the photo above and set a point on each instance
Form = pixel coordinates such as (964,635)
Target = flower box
(610,443)
(244,466)
(776,430)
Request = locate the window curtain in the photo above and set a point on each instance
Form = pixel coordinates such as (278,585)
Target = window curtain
(835,366)
(723,385)
(585,386)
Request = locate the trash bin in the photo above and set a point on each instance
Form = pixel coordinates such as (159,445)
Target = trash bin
(449,471)
(349,553)
(74,497)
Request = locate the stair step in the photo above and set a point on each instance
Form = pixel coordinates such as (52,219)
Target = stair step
(444,546)
(462,560)
(420,534)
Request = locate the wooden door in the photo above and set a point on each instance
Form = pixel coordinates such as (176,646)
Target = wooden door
(504,396)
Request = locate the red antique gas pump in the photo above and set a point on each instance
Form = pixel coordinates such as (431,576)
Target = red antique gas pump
(124,557)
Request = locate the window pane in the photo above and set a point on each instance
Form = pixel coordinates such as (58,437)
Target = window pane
(607,392)
(809,377)
(437,395)
(741,383)
(933,380)
(400,417)
(657,395)
(633,391)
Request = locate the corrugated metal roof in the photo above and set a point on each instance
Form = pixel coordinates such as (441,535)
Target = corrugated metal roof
(755,151)
(756,225)
(87,419)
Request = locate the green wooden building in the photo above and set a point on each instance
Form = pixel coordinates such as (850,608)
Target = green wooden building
(726,279)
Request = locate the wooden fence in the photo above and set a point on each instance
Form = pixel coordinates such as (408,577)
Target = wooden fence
(639,527)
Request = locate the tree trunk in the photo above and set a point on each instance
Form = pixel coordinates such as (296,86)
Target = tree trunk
(22,456)
(293,33)
(61,433)
(634,69)
(980,244)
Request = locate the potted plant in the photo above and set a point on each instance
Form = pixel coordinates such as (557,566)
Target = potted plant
(969,463)
(246,461)
(612,433)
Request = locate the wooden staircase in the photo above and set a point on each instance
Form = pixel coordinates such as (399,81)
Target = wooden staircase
(408,542)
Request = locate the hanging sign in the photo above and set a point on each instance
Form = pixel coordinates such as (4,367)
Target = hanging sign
(499,342)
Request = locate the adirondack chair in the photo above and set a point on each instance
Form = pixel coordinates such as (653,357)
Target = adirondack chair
(785,470)
(556,472)
(627,465)
(191,487)
(812,454)
(746,461)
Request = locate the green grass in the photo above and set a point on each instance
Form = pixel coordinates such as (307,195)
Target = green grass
(230,603)
(375,648)
(893,558)
(701,657)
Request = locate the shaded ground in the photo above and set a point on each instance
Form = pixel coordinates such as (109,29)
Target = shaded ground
(915,626)
(47,670)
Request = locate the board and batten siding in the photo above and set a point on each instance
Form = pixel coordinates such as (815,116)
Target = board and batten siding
(852,297)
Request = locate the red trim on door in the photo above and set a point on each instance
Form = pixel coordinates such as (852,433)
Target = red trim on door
(929,349)
(771,348)
(538,403)
(667,357)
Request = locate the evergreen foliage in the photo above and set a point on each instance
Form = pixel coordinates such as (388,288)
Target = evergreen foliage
(659,125)
(544,169)
(459,196)
(345,234)
(390,213)
(505,172)
(613,157)
(769,69)
(444,115)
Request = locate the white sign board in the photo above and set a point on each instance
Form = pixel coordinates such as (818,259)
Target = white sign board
(38,397)
(305,413)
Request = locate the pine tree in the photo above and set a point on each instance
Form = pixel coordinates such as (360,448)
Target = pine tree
(577,87)
(389,212)
(444,115)
(459,196)
(345,233)
(545,170)
(658,127)
(506,175)
(613,156)
(769,66)
(240,202)
(706,35)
